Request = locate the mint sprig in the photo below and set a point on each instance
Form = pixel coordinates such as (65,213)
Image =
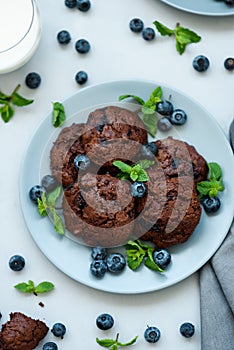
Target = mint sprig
(59,115)
(30,287)
(214,183)
(148,108)
(134,172)
(138,253)
(7,103)
(114,344)
(46,205)
(183,36)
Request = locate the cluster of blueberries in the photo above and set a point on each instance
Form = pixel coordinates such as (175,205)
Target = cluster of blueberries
(152,334)
(103,262)
(17,263)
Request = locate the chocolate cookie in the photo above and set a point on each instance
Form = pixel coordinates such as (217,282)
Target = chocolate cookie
(100,210)
(113,133)
(22,332)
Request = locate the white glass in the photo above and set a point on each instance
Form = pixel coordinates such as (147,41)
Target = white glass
(20,32)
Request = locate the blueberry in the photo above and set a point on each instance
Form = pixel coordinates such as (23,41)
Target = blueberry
(50,346)
(201,63)
(98,268)
(150,149)
(98,253)
(229,63)
(35,193)
(164,107)
(81,77)
(138,189)
(148,34)
(152,334)
(162,258)
(104,321)
(82,46)
(187,329)
(164,124)
(83,5)
(81,162)
(229,2)
(211,204)
(115,262)
(64,37)
(33,80)
(178,117)
(49,183)
(136,25)
(16,263)
(70,3)
(58,330)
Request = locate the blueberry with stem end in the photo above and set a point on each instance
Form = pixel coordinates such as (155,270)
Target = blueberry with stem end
(138,189)
(70,3)
(152,334)
(63,37)
(82,46)
(35,193)
(164,124)
(83,5)
(211,204)
(136,25)
(150,149)
(81,162)
(104,321)
(58,330)
(98,253)
(162,258)
(98,268)
(33,80)
(201,63)
(229,63)
(115,262)
(81,77)
(148,34)
(178,117)
(16,263)
(50,346)
(164,108)
(187,329)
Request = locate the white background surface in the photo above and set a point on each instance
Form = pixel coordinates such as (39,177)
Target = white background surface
(116,53)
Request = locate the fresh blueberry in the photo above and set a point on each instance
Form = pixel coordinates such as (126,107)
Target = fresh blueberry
(98,268)
(83,5)
(115,262)
(81,162)
(104,321)
(70,3)
(148,34)
(164,124)
(138,189)
(136,25)
(229,2)
(152,334)
(162,258)
(82,46)
(33,80)
(58,330)
(150,149)
(99,253)
(187,329)
(211,204)
(16,263)
(49,183)
(50,346)
(35,193)
(164,107)
(178,117)
(229,63)
(201,63)
(81,77)
(64,37)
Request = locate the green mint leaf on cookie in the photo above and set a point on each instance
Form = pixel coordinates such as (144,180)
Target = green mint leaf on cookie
(125,168)
(31,288)
(58,223)
(146,163)
(214,183)
(53,196)
(183,36)
(44,287)
(134,97)
(59,115)
(150,121)
(134,172)
(7,103)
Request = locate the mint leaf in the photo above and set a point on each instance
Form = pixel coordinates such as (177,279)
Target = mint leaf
(106,343)
(58,223)
(44,287)
(19,100)
(25,287)
(59,115)
(146,163)
(128,343)
(53,196)
(215,171)
(114,344)
(163,30)
(135,254)
(137,98)
(149,262)
(125,168)
(150,121)
(7,112)
(41,208)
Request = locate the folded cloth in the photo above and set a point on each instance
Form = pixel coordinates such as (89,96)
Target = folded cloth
(217,298)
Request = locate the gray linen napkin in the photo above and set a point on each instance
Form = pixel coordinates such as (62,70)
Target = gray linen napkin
(217,298)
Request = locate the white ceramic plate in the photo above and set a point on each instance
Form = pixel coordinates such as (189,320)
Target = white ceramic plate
(202,7)
(201,130)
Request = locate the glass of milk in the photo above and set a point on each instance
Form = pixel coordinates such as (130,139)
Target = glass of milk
(20,32)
